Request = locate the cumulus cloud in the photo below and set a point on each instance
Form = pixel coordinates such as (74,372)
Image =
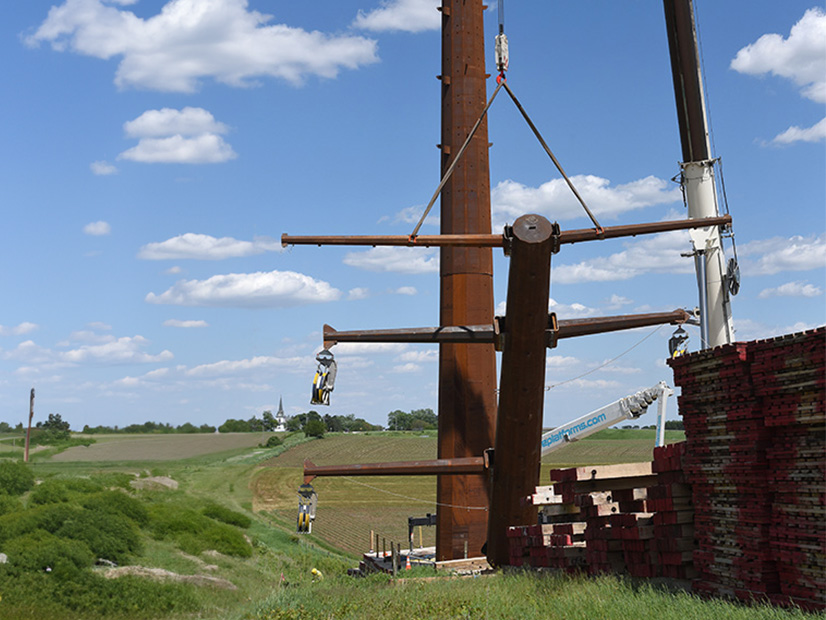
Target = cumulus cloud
(234,367)
(406,290)
(169,122)
(770,256)
(412,215)
(185,324)
(792,289)
(97,229)
(168,136)
(654,254)
(124,350)
(405,15)
(395,259)
(274,289)
(800,57)
(189,41)
(206,247)
(575,310)
(102,168)
(749,329)
(420,355)
(554,199)
(816,133)
(205,149)
(23,328)
(407,368)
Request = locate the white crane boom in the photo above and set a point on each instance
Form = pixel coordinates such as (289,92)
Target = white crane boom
(628,408)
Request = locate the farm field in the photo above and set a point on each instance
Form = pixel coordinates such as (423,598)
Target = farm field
(158,447)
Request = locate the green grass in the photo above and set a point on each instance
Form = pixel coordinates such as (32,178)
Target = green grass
(257,486)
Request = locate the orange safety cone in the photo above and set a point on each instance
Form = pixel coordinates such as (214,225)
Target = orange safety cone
(407,564)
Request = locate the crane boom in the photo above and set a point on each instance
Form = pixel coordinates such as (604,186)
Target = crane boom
(628,408)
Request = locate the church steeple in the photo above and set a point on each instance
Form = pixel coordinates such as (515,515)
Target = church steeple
(280,417)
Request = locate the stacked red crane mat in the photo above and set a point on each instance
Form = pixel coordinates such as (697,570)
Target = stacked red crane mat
(754,422)
(602,519)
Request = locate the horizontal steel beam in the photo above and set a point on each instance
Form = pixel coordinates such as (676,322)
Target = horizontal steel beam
(499,241)
(491,334)
(465,465)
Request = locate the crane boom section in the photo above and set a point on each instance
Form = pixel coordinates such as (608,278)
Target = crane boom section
(627,408)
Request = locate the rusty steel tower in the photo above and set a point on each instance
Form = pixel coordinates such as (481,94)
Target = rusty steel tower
(467,373)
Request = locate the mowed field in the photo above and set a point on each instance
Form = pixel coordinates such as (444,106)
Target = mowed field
(170,447)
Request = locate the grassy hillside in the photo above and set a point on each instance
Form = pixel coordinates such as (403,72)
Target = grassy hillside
(256,489)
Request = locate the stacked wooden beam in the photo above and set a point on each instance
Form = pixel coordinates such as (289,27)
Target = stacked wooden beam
(788,376)
(754,421)
(671,502)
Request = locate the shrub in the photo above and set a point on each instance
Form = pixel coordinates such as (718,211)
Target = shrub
(273,442)
(114,479)
(109,536)
(40,550)
(118,503)
(15,478)
(196,533)
(9,504)
(55,490)
(225,515)
(48,518)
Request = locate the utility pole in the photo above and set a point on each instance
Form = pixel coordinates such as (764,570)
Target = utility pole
(29,427)
(467,373)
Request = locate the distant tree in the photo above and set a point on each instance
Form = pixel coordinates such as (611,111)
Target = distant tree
(255,425)
(268,421)
(294,424)
(5,427)
(674,425)
(187,428)
(314,428)
(206,428)
(399,420)
(55,423)
(234,426)
(417,419)
(333,423)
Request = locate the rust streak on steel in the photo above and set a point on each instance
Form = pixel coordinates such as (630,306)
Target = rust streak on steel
(465,465)
(566,237)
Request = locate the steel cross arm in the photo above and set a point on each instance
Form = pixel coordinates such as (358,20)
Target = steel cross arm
(500,241)
(464,465)
(565,328)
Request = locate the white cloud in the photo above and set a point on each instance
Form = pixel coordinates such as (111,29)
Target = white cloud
(116,350)
(234,367)
(575,310)
(395,259)
(406,290)
(407,368)
(783,254)
(102,168)
(19,330)
(185,324)
(749,329)
(274,289)
(368,348)
(800,58)
(420,355)
(358,293)
(792,289)
(174,270)
(554,199)
(654,254)
(170,122)
(405,15)
(203,149)
(412,215)
(816,133)
(206,247)
(193,40)
(560,361)
(97,229)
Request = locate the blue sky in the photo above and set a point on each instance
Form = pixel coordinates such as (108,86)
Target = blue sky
(155,151)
